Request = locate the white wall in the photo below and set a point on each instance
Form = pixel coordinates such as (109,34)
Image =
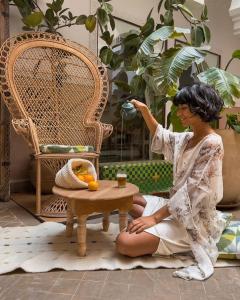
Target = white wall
(133,10)
(223,42)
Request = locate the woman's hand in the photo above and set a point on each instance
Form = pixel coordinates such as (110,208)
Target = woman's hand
(139,105)
(152,124)
(140,224)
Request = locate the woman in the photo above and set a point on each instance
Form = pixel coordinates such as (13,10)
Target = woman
(188,221)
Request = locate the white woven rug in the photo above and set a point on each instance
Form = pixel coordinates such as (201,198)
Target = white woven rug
(44,247)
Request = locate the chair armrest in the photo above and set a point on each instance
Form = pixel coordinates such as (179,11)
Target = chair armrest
(26,128)
(107,130)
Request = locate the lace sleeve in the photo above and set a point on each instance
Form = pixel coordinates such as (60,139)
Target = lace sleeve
(164,142)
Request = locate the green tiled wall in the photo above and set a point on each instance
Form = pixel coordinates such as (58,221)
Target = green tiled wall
(150,176)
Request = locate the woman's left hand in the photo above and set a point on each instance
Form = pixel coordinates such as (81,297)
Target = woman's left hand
(140,224)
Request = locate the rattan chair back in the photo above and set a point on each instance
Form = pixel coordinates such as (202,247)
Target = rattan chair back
(60,85)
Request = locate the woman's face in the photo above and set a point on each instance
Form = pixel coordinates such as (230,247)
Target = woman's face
(186,117)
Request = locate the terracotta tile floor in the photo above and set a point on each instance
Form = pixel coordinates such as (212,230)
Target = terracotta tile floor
(137,284)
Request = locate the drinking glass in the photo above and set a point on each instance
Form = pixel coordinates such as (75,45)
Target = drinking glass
(121,178)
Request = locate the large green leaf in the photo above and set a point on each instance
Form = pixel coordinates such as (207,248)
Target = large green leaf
(148,27)
(116,61)
(161,34)
(81,19)
(102,16)
(236,54)
(131,44)
(168,18)
(167,69)
(112,22)
(197,36)
(226,84)
(106,55)
(57,5)
(90,23)
(34,19)
(50,18)
(107,37)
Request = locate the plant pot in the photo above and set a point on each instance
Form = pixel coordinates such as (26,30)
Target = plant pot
(231,168)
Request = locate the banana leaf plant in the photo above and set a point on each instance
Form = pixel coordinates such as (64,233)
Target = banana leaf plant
(157,68)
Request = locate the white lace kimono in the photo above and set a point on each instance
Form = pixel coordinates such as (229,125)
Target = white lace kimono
(197,188)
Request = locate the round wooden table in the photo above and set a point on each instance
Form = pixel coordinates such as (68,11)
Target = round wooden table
(82,203)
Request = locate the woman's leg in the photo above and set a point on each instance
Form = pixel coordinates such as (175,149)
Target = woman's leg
(134,245)
(139,204)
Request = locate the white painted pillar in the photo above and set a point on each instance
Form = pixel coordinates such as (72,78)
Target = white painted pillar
(234,12)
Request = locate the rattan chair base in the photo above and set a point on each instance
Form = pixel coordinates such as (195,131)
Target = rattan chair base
(54,207)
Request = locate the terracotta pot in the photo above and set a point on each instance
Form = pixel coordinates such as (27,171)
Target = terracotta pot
(231,168)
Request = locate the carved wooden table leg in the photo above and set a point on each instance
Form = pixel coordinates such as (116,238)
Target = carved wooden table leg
(81,235)
(108,198)
(123,220)
(69,223)
(105,221)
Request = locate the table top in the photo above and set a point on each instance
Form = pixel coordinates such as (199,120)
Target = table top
(108,190)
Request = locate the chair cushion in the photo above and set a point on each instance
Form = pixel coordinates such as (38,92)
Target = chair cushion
(229,244)
(54,148)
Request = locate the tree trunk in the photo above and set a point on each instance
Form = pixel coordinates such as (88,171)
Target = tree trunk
(4,115)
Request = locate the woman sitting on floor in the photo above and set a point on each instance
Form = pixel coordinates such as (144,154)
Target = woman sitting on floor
(188,221)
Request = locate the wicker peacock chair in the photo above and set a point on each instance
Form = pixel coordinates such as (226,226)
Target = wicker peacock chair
(56,92)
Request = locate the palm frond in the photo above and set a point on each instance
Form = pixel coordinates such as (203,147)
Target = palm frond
(167,69)
(227,85)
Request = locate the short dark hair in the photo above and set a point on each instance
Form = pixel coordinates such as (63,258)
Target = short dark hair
(202,100)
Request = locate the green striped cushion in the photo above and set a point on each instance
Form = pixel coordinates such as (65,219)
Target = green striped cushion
(54,148)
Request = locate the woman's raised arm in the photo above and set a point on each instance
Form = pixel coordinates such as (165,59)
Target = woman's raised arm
(148,117)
